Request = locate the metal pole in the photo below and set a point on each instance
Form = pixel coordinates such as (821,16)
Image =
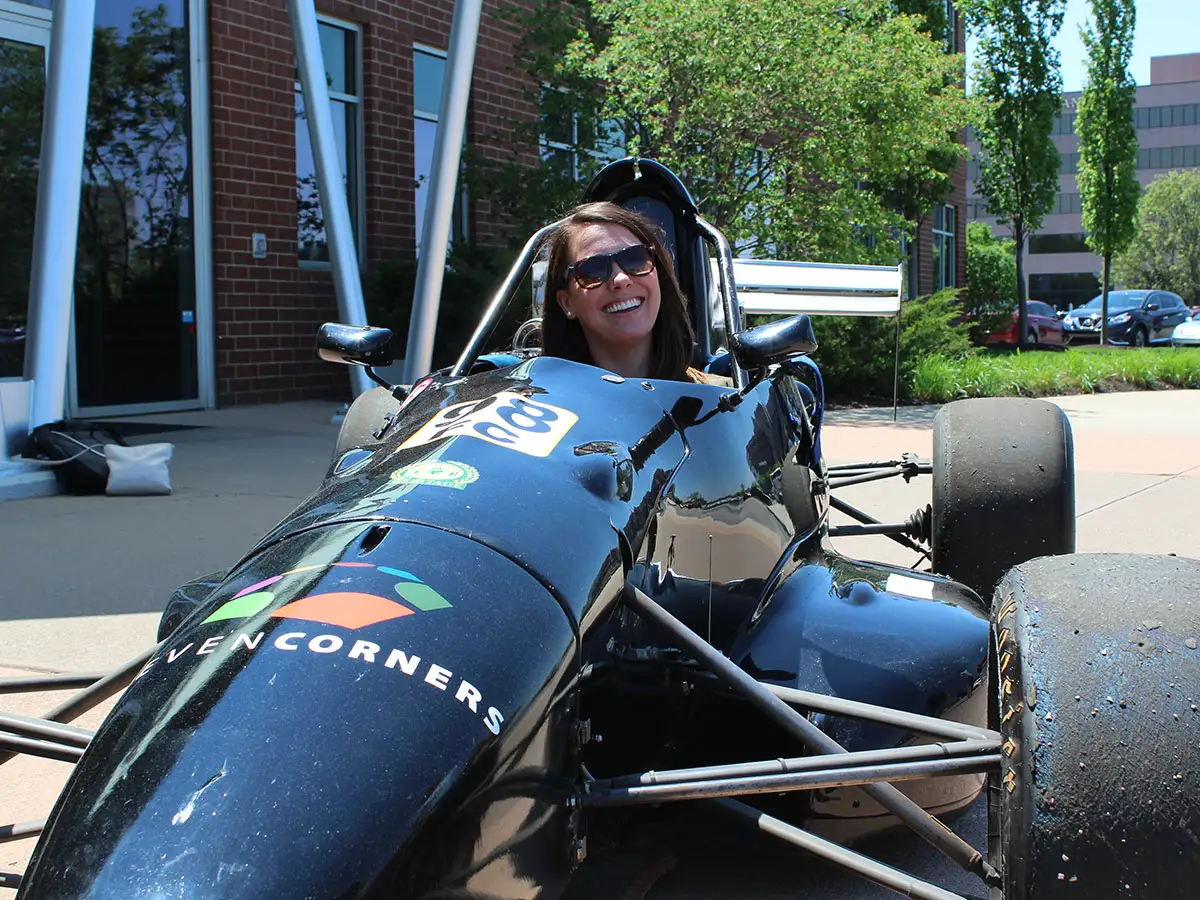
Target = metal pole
(890,798)
(439,207)
(56,229)
(335,210)
(783,766)
(21,830)
(900,882)
(110,684)
(791,781)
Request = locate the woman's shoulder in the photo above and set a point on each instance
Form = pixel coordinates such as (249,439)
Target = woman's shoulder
(699,377)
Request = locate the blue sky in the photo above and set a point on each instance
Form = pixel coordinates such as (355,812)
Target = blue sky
(1164,28)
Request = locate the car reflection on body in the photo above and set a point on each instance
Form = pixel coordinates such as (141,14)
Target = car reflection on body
(1135,318)
(1187,334)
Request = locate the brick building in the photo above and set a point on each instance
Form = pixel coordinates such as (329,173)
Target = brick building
(202,271)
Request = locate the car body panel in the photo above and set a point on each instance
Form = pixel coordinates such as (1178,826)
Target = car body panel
(1042,320)
(1187,334)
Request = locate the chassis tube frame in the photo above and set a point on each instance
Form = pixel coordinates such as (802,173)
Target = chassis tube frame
(889,797)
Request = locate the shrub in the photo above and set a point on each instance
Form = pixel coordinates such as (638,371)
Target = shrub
(991,291)
(857,354)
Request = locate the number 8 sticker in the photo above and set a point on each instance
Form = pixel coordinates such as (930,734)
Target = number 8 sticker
(506,419)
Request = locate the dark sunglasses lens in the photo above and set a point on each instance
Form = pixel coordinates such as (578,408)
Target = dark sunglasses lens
(635,260)
(593,270)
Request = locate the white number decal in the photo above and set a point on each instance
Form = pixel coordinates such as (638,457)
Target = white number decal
(507,419)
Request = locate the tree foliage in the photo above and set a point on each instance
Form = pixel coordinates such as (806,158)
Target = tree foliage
(1018,80)
(991,290)
(1165,251)
(1108,144)
(790,120)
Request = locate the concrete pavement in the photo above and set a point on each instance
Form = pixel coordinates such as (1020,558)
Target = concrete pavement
(85,577)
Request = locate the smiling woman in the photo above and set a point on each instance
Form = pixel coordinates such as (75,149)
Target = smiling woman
(612,299)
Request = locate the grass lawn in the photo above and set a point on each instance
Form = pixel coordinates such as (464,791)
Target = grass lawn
(1040,373)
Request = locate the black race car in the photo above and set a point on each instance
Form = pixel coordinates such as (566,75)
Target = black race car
(530,595)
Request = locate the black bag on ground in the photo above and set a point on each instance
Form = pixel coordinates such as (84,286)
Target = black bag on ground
(75,450)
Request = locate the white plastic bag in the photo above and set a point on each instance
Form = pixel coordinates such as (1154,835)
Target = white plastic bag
(138,471)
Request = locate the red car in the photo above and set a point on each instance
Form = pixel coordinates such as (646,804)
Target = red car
(1043,324)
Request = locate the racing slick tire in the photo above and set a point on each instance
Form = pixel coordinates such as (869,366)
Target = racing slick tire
(1003,487)
(366,416)
(1096,691)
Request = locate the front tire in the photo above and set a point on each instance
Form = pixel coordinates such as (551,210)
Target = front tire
(1003,487)
(1098,677)
(1139,337)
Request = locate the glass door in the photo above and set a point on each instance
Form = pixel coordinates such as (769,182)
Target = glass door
(134,347)
(24,40)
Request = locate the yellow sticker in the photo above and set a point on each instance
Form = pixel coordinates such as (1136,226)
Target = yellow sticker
(506,419)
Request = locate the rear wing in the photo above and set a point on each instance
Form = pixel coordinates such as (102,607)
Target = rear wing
(831,289)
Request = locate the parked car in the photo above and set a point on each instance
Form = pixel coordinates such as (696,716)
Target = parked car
(1043,324)
(1135,318)
(1187,334)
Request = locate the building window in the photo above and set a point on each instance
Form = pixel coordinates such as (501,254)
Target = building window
(575,144)
(1068,163)
(429,72)
(1059,243)
(1067,204)
(1063,123)
(943,247)
(948,26)
(1184,157)
(340,46)
(1176,116)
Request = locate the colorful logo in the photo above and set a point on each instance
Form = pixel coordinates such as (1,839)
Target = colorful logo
(437,473)
(347,609)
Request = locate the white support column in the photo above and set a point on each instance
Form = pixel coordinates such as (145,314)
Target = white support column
(56,231)
(335,210)
(443,178)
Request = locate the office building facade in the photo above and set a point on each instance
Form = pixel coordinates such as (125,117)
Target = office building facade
(1062,271)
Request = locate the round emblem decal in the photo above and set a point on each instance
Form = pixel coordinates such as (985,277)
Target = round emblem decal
(437,472)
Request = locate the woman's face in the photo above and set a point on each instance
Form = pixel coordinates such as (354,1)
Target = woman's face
(618,315)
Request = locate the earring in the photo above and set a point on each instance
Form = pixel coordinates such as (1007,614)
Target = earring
(570,315)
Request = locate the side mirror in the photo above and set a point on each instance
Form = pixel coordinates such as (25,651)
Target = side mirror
(774,342)
(355,345)
(1151,307)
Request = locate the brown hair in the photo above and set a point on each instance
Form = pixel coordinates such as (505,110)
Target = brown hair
(673,336)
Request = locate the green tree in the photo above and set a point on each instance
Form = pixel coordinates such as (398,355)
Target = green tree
(787,119)
(991,291)
(1165,251)
(1018,81)
(1108,144)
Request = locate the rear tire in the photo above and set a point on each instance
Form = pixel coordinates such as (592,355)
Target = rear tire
(367,415)
(1097,792)
(1003,487)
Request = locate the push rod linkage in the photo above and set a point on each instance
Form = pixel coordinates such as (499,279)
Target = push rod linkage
(821,779)
(39,683)
(889,797)
(21,830)
(851,861)
(32,747)
(839,706)
(44,730)
(914,753)
(899,535)
(110,684)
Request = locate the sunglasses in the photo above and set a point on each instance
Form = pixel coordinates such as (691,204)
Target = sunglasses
(595,270)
